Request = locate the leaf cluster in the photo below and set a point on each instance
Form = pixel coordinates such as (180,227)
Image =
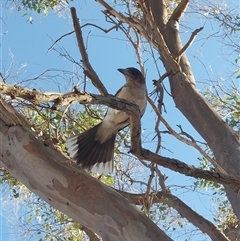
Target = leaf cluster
(38,6)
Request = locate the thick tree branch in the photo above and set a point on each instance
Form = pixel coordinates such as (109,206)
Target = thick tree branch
(167,198)
(189,170)
(92,236)
(196,219)
(162,46)
(45,171)
(221,139)
(179,10)
(33,96)
(158,8)
(89,71)
(133,111)
(60,100)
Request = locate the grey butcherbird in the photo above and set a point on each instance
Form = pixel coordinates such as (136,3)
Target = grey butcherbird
(94,149)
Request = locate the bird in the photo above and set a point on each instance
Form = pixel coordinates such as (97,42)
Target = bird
(93,149)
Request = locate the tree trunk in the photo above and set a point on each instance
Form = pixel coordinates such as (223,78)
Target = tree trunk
(221,139)
(45,171)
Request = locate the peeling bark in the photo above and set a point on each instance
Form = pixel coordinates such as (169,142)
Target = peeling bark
(45,172)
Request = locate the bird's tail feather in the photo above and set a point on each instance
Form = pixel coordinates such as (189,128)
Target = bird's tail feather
(91,153)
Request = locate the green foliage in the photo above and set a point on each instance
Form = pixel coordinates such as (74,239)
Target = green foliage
(224,217)
(206,184)
(109,180)
(230,22)
(13,184)
(39,5)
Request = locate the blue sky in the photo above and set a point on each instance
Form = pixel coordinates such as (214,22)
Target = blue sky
(24,51)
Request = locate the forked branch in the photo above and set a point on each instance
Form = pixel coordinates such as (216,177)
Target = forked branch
(179,10)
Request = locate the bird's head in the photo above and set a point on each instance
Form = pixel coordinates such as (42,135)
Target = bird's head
(133,74)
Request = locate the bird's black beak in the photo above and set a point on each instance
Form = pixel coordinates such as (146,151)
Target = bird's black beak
(124,71)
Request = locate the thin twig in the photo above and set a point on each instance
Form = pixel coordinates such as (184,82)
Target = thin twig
(186,134)
(59,39)
(161,179)
(102,29)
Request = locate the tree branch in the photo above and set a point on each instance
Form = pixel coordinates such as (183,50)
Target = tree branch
(160,11)
(135,126)
(189,42)
(199,221)
(89,71)
(32,96)
(183,168)
(60,100)
(92,236)
(167,198)
(45,171)
(179,10)
(184,140)
(160,45)
(59,39)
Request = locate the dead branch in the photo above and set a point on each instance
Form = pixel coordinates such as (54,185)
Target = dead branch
(59,39)
(161,179)
(87,24)
(59,100)
(102,29)
(33,96)
(186,134)
(89,71)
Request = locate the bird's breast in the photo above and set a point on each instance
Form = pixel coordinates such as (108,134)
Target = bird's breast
(136,95)
(116,119)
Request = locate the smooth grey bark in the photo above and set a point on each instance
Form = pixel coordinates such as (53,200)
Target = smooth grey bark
(222,140)
(46,172)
